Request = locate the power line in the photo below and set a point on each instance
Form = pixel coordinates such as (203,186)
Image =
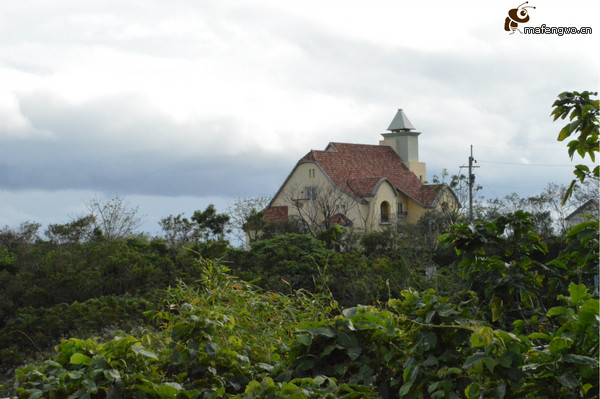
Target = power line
(536,149)
(527,164)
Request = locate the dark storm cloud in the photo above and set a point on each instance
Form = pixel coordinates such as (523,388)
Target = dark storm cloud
(147,174)
(125,145)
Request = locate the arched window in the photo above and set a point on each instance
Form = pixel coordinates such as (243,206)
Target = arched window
(385,212)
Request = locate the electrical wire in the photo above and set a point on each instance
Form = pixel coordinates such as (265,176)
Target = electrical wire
(526,164)
(519,148)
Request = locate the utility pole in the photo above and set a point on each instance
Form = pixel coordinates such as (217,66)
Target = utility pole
(471,183)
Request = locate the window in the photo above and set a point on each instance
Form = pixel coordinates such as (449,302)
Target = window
(311,173)
(385,212)
(401,212)
(311,193)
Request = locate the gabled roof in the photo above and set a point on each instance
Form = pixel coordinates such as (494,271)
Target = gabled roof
(588,207)
(358,169)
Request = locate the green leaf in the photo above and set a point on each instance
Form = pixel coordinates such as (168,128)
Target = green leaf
(288,387)
(166,391)
(472,390)
(405,389)
(489,363)
(539,335)
(473,359)
(482,337)
(325,331)
(505,361)
(433,387)
(579,359)
(577,292)
(347,340)
(143,352)
(35,393)
(564,133)
(497,309)
(588,313)
(568,380)
(75,375)
(429,316)
(558,344)
(415,373)
(80,358)
(430,338)
(112,375)
(304,339)
(354,353)
(430,361)
(446,310)
(555,311)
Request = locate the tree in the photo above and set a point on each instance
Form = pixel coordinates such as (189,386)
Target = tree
(80,229)
(114,218)
(178,230)
(320,209)
(210,224)
(26,233)
(204,226)
(459,184)
(583,113)
(245,216)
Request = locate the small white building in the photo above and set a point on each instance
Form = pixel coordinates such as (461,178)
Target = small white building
(590,207)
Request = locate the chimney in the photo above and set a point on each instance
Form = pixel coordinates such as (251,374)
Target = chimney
(405,141)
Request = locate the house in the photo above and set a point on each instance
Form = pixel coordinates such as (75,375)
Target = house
(590,207)
(364,186)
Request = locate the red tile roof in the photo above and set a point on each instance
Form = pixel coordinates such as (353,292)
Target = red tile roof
(276,214)
(340,219)
(358,169)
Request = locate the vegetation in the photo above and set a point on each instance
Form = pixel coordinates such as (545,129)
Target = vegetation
(503,307)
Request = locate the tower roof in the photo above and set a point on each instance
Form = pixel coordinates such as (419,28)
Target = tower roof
(400,123)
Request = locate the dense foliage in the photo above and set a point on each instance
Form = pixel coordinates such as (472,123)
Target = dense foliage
(224,339)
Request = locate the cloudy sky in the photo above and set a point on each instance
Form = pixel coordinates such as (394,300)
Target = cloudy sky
(177,104)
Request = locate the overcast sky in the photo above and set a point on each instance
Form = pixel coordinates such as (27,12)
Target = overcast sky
(178,104)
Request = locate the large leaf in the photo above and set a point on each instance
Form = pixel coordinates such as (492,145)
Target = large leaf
(578,292)
(143,352)
(80,358)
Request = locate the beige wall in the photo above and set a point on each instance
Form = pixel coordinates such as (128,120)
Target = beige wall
(310,175)
(448,201)
(415,211)
(367,217)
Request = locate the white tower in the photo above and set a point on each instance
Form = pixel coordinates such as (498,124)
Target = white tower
(405,141)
